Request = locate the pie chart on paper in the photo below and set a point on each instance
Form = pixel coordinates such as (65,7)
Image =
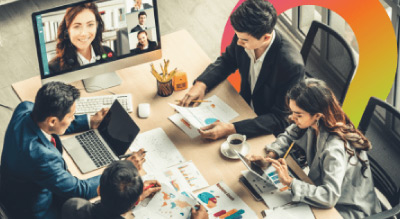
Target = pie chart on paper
(209,121)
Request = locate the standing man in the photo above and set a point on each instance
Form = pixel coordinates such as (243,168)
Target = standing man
(34,177)
(268,64)
(142,16)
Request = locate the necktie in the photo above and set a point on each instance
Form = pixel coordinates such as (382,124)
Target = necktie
(53,141)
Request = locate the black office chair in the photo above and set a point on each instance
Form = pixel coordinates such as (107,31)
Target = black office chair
(380,123)
(327,56)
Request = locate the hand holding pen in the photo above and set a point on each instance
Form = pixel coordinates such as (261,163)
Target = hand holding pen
(137,158)
(150,187)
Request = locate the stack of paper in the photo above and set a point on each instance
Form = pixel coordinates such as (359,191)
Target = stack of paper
(190,119)
(161,152)
(166,203)
(185,178)
(222,202)
(292,211)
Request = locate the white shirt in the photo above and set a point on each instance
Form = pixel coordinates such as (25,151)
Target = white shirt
(83,61)
(46,135)
(255,65)
(143,27)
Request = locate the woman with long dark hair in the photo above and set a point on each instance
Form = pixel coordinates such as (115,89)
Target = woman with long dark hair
(335,151)
(144,44)
(79,39)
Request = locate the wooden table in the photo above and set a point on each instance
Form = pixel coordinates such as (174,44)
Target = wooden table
(185,54)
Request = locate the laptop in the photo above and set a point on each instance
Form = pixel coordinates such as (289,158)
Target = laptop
(99,147)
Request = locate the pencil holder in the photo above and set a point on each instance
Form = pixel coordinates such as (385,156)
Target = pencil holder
(164,89)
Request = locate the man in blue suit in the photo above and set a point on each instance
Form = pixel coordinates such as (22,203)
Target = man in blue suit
(35,181)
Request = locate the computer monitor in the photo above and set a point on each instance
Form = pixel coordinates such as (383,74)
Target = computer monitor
(89,40)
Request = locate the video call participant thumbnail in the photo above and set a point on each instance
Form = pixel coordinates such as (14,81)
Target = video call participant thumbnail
(79,39)
(142,17)
(139,6)
(144,44)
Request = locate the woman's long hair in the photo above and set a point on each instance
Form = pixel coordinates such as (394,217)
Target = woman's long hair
(139,45)
(314,96)
(65,50)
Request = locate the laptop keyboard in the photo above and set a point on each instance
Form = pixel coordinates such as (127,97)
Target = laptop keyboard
(95,148)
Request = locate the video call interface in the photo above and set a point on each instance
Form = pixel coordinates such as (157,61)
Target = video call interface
(128,28)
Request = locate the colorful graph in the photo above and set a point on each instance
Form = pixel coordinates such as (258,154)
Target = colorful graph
(209,121)
(232,214)
(208,198)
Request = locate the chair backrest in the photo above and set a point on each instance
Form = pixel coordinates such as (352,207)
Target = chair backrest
(327,56)
(380,123)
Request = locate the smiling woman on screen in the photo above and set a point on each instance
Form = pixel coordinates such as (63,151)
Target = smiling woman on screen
(79,39)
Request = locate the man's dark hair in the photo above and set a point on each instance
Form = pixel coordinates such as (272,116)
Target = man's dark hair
(54,99)
(255,17)
(141,13)
(120,187)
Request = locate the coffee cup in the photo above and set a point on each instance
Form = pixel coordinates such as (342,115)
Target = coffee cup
(236,142)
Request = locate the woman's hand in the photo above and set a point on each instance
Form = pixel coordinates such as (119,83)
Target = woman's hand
(282,170)
(262,161)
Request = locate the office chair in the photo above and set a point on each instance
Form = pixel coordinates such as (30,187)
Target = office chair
(327,56)
(380,123)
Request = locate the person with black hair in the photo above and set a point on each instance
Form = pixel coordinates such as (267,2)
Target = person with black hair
(268,64)
(142,16)
(120,189)
(336,153)
(35,181)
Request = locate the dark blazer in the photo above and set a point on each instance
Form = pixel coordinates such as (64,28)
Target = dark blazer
(34,174)
(137,28)
(282,68)
(54,64)
(78,208)
(152,46)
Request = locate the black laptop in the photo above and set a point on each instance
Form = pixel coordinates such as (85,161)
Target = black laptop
(96,148)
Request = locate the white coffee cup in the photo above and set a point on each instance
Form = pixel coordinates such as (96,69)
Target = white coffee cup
(236,142)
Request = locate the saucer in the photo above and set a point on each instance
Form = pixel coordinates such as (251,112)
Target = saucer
(231,154)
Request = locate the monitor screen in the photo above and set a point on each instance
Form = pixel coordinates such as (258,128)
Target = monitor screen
(88,38)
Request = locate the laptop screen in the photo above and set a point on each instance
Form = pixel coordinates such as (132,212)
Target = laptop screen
(118,129)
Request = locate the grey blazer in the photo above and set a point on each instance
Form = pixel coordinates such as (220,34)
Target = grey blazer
(338,180)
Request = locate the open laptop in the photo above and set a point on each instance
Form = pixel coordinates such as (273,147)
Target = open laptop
(99,147)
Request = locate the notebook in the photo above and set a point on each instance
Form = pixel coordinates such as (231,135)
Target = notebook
(96,148)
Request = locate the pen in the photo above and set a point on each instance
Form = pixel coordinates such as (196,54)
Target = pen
(127,155)
(196,101)
(287,152)
(148,187)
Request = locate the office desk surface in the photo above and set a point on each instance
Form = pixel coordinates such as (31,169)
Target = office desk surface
(185,54)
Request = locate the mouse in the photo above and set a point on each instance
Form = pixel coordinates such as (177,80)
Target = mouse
(143,110)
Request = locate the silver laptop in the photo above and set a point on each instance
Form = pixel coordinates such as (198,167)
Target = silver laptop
(96,148)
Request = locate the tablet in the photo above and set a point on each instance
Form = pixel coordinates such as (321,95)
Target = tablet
(254,168)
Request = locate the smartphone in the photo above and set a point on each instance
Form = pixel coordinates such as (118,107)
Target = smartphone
(253,192)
